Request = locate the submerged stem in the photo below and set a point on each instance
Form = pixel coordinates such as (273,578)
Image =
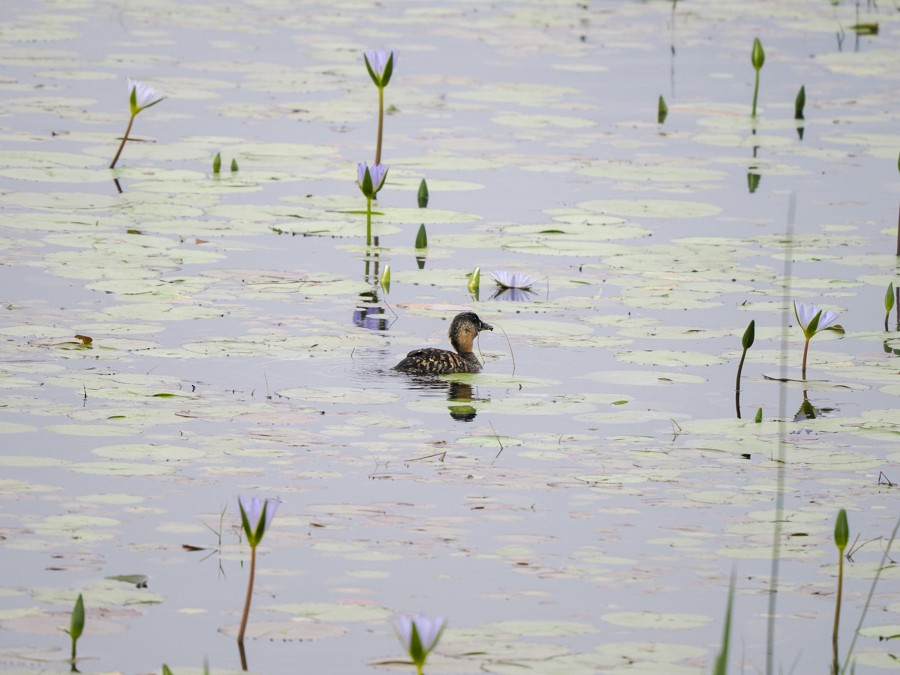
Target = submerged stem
(380,124)
(249,594)
(122,144)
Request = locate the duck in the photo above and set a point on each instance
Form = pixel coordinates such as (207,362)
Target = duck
(431,361)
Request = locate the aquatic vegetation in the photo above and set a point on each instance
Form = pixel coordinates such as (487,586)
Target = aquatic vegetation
(888,303)
(256,516)
(757,58)
(474,281)
(662,110)
(813,320)
(419,636)
(800,103)
(841,536)
(422,196)
(746,342)
(76,625)
(422,237)
(141,97)
(720,666)
(385,279)
(380,64)
(217,163)
(370,180)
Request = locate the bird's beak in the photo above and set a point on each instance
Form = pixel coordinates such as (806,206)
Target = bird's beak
(485,326)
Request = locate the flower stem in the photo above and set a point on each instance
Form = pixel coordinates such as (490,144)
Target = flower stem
(249,594)
(737,384)
(368,221)
(122,144)
(755,93)
(805,350)
(836,666)
(380,124)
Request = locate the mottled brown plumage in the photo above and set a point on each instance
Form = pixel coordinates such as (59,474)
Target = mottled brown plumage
(430,361)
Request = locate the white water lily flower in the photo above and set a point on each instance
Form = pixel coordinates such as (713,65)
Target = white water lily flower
(419,636)
(813,320)
(142,96)
(252,521)
(519,280)
(806,315)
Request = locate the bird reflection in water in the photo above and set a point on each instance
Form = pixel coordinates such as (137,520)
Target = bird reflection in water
(460,396)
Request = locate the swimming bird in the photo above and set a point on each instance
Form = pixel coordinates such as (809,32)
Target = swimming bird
(430,361)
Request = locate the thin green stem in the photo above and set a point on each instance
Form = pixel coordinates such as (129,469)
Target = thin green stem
(249,594)
(122,144)
(836,665)
(737,384)
(755,93)
(805,352)
(73,651)
(368,221)
(380,124)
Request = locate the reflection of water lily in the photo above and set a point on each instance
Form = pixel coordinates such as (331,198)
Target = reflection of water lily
(380,64)
(513,294)
(813,320)
(419,636)
(519,280)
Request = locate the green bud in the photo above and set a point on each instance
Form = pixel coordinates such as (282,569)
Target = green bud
(422,237)
(76,622)
(662,110)
(423,194)
(758,417)
(166,670)
(474,280)
(217,162)
(841,531)
(758,55)
(385,279)
(234,166)
(889,298)
(749,336)
(799,103)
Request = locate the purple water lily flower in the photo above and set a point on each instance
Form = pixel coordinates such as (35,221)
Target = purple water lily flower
(518,280)
(371,178)
(253,522)
(419,636)
(380,64)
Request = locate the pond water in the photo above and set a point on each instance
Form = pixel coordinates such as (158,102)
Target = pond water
(577,507)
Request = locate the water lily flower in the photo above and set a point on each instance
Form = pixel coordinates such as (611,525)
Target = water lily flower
(813,320)
(380,64)
(371,179)
(140,97)
(256,516)
(419,635)
(518,280)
